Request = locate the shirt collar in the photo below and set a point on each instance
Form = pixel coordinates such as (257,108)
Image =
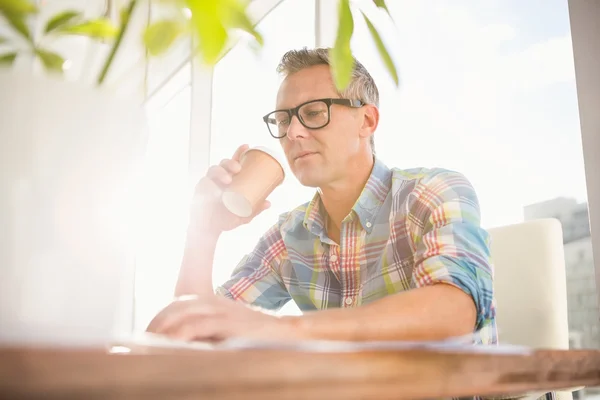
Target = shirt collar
(366,207)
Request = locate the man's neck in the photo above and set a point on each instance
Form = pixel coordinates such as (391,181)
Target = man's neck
(339,197)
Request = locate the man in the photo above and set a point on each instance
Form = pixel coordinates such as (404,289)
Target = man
(378,254)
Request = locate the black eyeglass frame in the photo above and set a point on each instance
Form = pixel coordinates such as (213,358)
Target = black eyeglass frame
(294,112)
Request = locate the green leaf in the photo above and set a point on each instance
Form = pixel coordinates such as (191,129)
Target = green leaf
(160,35)
(8,58)
(123,27)
(209,27)
(383,52)
(17,21)
(61,19)
(381,4)
(100,28)
(17,7)
(123,15)
(52,61)
(342,62)
(3,40)
(236,16)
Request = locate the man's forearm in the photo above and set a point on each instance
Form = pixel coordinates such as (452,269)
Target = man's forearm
(429,313)
(195,274)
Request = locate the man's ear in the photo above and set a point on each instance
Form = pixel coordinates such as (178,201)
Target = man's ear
(370,120)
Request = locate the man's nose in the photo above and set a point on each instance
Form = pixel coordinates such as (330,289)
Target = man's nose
(296,130)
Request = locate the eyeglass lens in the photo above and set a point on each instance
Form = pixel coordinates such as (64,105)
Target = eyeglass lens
(312,115)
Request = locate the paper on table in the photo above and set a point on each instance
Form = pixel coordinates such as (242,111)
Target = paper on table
(151,340)
(461,345)
(342,346)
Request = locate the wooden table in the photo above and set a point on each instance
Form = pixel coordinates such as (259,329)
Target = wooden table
(270,374)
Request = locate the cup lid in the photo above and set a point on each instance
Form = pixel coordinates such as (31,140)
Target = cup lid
(273,153)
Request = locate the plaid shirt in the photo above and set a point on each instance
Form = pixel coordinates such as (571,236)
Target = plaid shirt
(408,229)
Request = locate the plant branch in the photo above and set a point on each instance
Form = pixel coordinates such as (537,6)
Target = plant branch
(118,40)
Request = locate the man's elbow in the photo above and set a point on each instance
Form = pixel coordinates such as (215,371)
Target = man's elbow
(458,311)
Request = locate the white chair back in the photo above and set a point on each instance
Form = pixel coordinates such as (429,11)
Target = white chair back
(530,284)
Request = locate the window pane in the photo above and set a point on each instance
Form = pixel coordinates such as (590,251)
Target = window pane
(245,86)
(164,203)
(488,89)
(161,67)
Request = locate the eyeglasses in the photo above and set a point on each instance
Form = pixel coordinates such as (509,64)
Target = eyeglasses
(314,114)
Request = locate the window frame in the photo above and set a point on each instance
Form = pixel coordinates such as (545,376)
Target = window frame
(585,34)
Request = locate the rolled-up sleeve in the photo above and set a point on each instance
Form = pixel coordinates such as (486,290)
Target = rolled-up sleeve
(450,246)
(255,280)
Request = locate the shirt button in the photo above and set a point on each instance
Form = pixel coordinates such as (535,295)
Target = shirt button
(333,258)
(368,224)
(348,300)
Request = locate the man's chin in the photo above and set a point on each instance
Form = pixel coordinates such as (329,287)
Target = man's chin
(308,180)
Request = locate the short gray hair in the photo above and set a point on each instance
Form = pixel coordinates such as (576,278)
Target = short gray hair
(361,87)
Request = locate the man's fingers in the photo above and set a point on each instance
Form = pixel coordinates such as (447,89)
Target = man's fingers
(185,331)
(199,327)
(207,187)
(158,323)
(240,150)
(167,317)
(177,312)
(231,166)
(219,175)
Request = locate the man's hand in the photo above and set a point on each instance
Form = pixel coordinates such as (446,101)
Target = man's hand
(435,312)
(208,213)
(208,219)
(215,318)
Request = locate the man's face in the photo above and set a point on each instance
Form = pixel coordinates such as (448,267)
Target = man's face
(318,157)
